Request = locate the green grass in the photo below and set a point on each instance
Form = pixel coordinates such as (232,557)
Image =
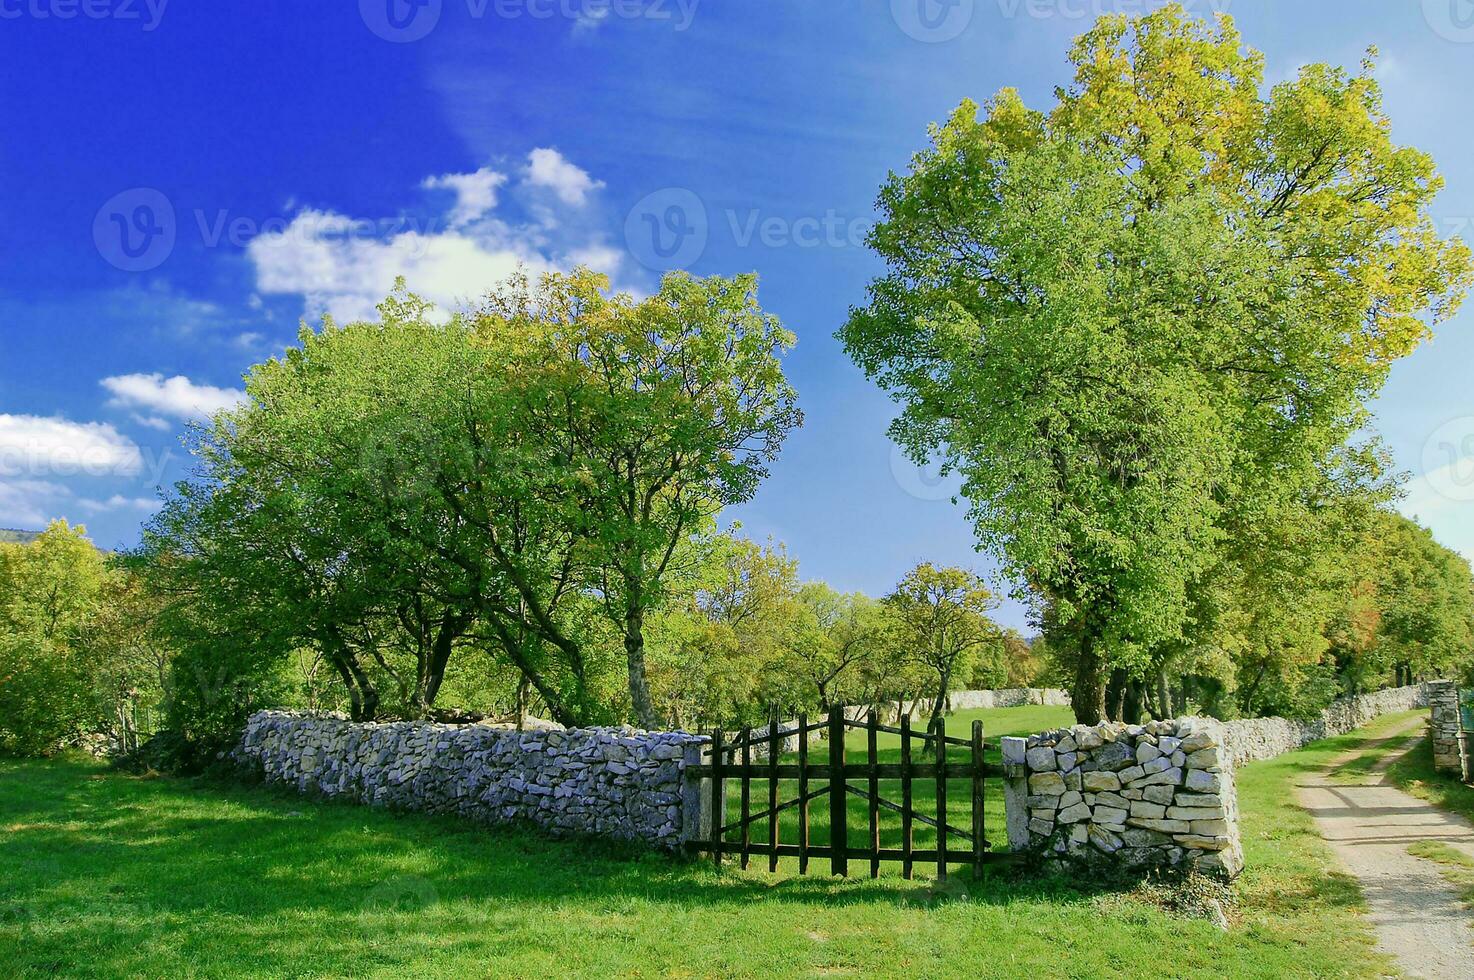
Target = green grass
(1455,866)
(1386,728)
(1414,774)
(106,875)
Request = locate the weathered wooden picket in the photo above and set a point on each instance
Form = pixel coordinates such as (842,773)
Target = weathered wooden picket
(721,766)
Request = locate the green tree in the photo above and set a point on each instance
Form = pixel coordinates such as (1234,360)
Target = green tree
(50,595)
(942,624)
(1137,322)
(649,416)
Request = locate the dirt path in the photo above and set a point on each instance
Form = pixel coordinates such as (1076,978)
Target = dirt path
(1369,824)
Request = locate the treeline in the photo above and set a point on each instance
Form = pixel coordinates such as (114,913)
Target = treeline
(1143,325)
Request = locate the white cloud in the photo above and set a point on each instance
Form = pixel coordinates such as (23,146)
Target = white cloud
(177,396)
(117,501)
(475,193)
(546,167)
(348,275)
(28,504)
(346,266)
(31,445)
(151,421)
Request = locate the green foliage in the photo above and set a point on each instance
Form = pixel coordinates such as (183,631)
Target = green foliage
(1143,325)
(942,625)
(512,488)
(50,594)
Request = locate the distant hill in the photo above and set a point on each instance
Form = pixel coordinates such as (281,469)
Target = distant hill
(11,536)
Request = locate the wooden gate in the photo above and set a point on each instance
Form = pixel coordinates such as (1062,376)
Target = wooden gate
(834,777)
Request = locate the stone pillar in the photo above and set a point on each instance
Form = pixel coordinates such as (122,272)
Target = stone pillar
(1449,754)
(695,796)
(1016,792)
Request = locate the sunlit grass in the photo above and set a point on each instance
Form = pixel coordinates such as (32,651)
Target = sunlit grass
(106,876)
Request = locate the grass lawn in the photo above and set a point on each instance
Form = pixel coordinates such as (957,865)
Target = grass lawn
(1414,774)
(107,875)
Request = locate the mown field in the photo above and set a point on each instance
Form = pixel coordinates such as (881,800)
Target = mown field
(108,875)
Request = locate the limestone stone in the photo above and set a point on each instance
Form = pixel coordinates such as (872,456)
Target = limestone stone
(1111,815)
(1209,758)
(1047,783)
(1201,842)
(1146,752)
(1101,781)
(1104,839)
(1042,759)
(1159,794)
(1080,812)
(1115,756)
(1199,781)
(1194,813)
(1164,826)
(1152,810)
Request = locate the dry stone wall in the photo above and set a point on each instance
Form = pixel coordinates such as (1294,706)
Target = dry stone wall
(608,782)
(1251,739)
(1160,794)
(1450,741)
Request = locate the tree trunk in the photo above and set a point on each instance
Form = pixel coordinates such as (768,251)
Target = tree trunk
(943,684)
(1131,704)
(1115,694)
(634,652)
(1164,696)
(1087,694)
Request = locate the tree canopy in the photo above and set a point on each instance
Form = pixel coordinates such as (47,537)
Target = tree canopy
(1146,323)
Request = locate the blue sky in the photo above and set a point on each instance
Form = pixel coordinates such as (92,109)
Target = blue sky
(181,181)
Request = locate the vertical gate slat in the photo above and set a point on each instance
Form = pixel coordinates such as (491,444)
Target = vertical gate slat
(773,793)
(906,841)
(871,732)
(746,795)
(939,732)
(804,793)
(979,842)
(718,797)
(838,829)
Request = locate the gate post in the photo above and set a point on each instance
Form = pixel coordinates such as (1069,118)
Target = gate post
(1016,792)
(839,842)
(696,809)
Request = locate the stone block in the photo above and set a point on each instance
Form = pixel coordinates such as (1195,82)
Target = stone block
(1098,781)
(1200,781)
(1164,826)
(1047,783)
(1042,759)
